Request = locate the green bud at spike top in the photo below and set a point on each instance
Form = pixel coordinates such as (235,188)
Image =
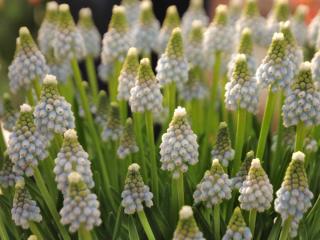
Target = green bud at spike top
(246,43)
(277,48)
(118,19)
(128,143)
(282,10)
(113,129)
(175,46)
(286,31)
(172,19)
(251,8)
(301,13)
(221,15)
(304,81)
(187,227)
(243,171)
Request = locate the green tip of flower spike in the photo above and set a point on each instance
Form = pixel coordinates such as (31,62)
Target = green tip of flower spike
(146,15)
(25,38)
(118,20)
(51,11)
(301,13)
(172,18)
(133,174)
(49,86)
(180,114)
(196,4)
(282,10)
(216,167)
(287,33)
(175,44)
(277,48)
(65,17)
(131,63)
(77,185)
(251,8)
(114,111)
(256,169)
(85,18)
(295,173)
(196,33)
(145,72)
(241,71)
(246,43)
(223,134)
(221,15)
(304,81)
(70,136)
(187,227)
(236,222)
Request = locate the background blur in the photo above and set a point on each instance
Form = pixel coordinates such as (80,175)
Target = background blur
(17,13)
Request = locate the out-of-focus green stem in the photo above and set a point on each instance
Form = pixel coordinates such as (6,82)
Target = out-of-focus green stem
(151,146)
(216,221)
(84,234)
(252,220)
(137,120)
(3,231)
(285,229)
(240,138)
(300,134)
(30,97)
(196,116)
(50,203)
(37,87)
(35,230)
(133,233)
(146,226)
(91,126)
(3,144)
(215,76)
(113,163)
(113,84)
(180,190)
(92,77)
(265,126)
(123,110)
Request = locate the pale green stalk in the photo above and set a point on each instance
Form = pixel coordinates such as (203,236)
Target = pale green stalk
(284,235)
(123,111)
(138,134)
(91,72)
(145,224)
(216,221)
(252,220)
(84,234)
(113,84)
(35,230)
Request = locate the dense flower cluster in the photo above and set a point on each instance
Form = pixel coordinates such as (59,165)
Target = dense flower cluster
(128,74)
(179,147)
(294,197)
(256,192)
(113,129)
(28,64)
(237,228)
(128,143)
(194,88)
(298,26)
(24,209)
(72,157)
(135,192)
(10,115)
(302,103)
(241,90)
(241,175)
(222,149)
(26,145)
(7,175)
(214,187)
(172,67)
(146,94)
(80,206)
(187,227)
(53,113)
(132,9)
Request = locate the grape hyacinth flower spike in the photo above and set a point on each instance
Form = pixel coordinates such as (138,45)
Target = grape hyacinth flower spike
(89,33)
(101,116)
(313,30)
(128,74)
(294,197)
(241,175)
(72,157)
(234,11)
(128,143)
(116,41)
(113,128)
(179,147)
(298,25)
(53,114)
(237,228)
(80,206)
(242,90)
(302,104)
(171,21)
(187,227)
(26,145)
(24,209)
(215,186)
(145,33)
(251,18)
(28,65)
(132,9)
(222,149)
(279,13)
(194,12)
(276,70)
(7,175)
(245,47)
(315,68)
(10,115)
(146,94)
(68,43)
(172,67)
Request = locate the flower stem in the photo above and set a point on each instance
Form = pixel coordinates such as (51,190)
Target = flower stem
(3,145)
(92,129)
(84,234)
(240,138)
(30,97)
(180,191)
(145,224)
(154,168)
(138,133)
(35,230)
(216,220)
(3,231)
(37,87)
(196,116)
(133,233)
(300,132)
(91,72)
(123,110)
(50,203)
(285,229)
(267,117)
(252,220)
(215,76)
(170,97)
(113,84)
